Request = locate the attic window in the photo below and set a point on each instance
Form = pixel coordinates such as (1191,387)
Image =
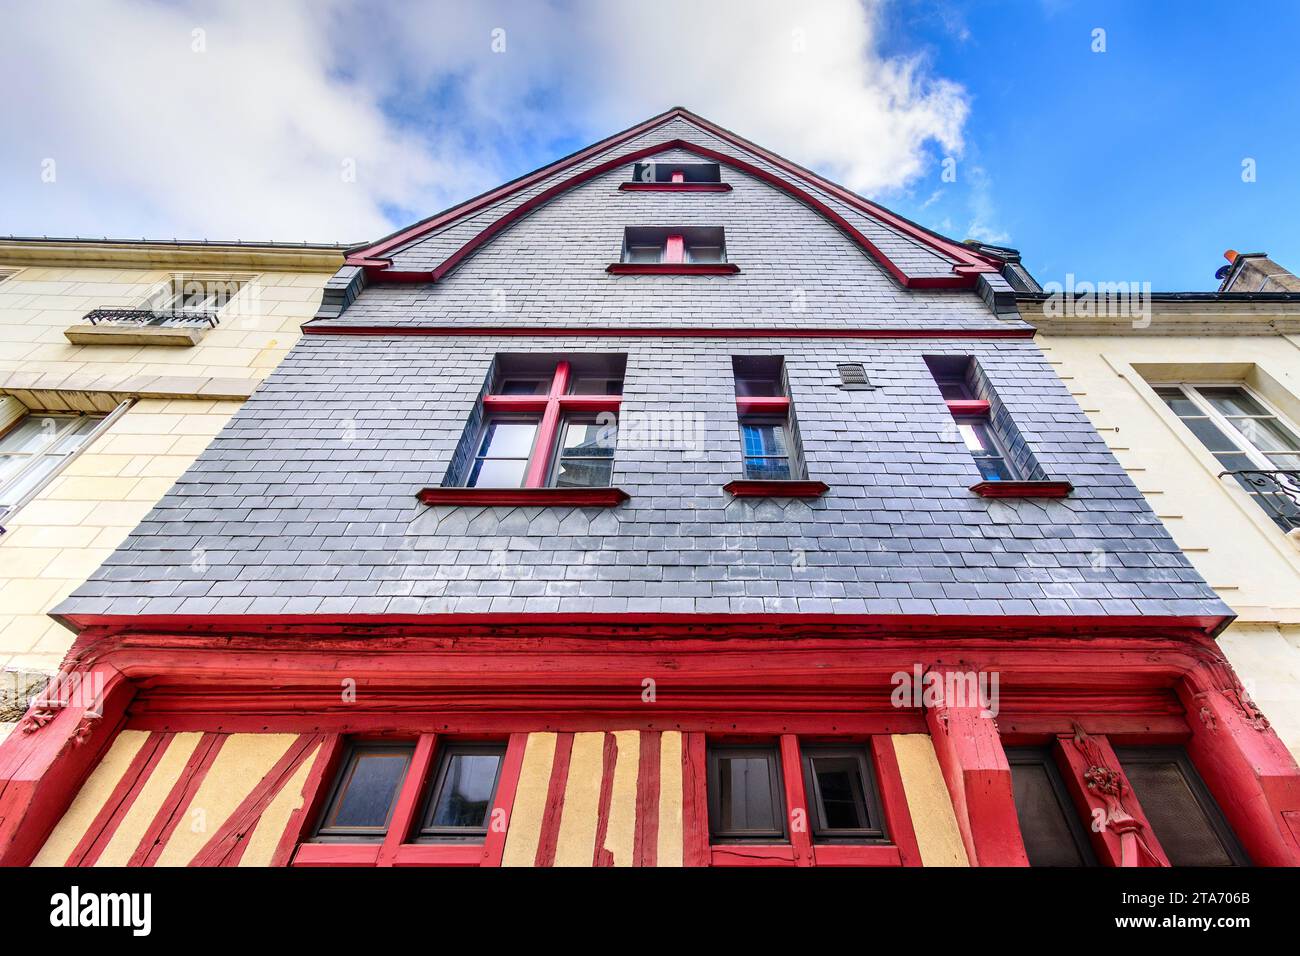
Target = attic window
(687,250)
(666,172)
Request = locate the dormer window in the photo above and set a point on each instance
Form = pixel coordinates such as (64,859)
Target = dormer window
(657,171)
(693,245)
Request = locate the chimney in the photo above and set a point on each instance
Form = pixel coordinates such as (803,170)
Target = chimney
(1254,272)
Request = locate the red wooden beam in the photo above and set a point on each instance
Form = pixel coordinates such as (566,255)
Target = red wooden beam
(670,268)
(402,821)
(968,406)
(763,488)
(555,497)
(47,758)
(898,818)
(763,405)
(675,250)
(494,844)
(978,777)
(1250,772)
(695,801)
(314,791)
(798,824)
(675,187)
(1022,489)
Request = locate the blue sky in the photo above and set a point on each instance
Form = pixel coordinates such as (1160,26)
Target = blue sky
(335,121)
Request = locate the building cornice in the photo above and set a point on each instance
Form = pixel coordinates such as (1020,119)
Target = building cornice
(1165,314)
(174,255)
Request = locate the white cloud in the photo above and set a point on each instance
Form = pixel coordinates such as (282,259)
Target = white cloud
(248,139)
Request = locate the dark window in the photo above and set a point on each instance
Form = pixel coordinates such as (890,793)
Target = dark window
(464,788)
(758,376)
(361,804)
(1049,824)
(1184,816)
(745,798)
(841,792)
(659,171)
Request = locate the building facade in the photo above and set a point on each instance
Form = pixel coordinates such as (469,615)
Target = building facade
(1198,396)
(118,363)
(670,505)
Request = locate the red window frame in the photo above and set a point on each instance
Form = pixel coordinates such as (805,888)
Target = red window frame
(552,409)
(398,847)
(800,850)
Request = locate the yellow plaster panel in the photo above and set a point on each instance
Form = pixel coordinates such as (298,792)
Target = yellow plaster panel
(620,834)
(271,824)
(576,842)
(151,796)
(670,799)
(928,802)
(244,759)
(530,801)
(91,798)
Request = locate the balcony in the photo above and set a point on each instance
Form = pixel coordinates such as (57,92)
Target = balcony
(1276,491)
(116,326)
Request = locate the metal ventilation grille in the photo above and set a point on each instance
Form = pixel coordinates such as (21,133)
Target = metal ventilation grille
(854,376)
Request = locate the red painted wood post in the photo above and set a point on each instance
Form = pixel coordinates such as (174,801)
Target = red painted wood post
(1118,829)
(548,430)
(408,799)
(796,801)
(494,844)
(695,801)
(48,756)
(898,819)
(675,250)
(1253,778)
(978,776)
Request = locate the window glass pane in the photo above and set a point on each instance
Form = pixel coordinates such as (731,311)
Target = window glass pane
(35,433)
(758,388)
(74,437)
(595,439)
(1049,840)
(1267,434)
(1235,462)
(1180,403)
(976,436)
(465,797)
(523,386)
(584,473)
(746,800)
(840,787)
(10,465)
(768,469)
(704,254)
(368,790)
(498,473)
(764,440)
(1211,436)
(1232,401)
(644,253)
(37,470)
(992,468)
(503,439)
(596,386)
(1178,819)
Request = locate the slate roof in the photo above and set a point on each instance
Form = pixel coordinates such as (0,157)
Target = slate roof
(305,503)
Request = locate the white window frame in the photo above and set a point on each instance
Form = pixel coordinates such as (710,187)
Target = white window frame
(164,299)
(105,422)
(1245,446)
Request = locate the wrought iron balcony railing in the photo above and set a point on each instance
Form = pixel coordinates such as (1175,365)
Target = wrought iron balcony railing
(165,318)
(1277,492)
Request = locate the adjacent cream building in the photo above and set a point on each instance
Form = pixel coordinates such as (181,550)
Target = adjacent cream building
(119,361)
(1198,395)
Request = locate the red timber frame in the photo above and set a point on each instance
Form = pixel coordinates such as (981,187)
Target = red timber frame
(1081,685)
(968,264)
